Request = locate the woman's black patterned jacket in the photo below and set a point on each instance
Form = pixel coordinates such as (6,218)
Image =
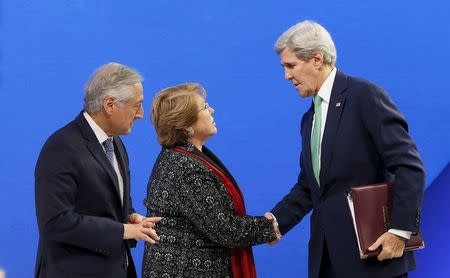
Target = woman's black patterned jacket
(198,226)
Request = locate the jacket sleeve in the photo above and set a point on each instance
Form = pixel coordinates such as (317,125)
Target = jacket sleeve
(389,132)
(56,194)
(206,203)
(295,205)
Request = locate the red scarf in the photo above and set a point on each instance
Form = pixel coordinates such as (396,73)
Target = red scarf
(242,263)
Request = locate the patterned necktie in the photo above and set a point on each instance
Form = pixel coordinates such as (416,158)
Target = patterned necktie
(109,149)
(315,138)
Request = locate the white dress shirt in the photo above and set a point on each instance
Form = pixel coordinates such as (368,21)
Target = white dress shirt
(102,137)
(325,94)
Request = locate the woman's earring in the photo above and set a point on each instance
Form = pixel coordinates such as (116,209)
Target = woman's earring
(190,132)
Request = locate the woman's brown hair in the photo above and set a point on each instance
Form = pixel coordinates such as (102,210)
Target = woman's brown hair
(173,110)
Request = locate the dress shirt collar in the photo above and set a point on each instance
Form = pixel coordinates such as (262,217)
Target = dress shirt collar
(99,133)
(327,86)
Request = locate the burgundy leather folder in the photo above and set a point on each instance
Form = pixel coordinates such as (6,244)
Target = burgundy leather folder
(370,209)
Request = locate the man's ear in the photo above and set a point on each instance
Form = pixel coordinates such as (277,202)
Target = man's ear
(318,60)
(108,105)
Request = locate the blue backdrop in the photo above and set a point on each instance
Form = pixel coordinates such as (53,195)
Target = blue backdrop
(50,48)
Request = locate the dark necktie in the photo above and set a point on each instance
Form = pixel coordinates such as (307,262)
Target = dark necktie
(109,149)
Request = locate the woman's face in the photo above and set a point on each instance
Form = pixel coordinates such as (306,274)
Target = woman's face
(204,127)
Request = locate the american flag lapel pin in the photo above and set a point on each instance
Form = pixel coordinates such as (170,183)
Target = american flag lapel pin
(338,104)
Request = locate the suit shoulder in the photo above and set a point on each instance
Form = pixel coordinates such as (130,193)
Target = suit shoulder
(361,84)
(57,152)
(365,91)
(63,143)
(64,136)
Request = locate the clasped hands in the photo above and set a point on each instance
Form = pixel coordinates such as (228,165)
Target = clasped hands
(141,228)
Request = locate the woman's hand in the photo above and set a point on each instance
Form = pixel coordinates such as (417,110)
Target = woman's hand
(272,218)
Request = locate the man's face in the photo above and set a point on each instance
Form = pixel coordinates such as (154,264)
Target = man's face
(124,114)
(303,75)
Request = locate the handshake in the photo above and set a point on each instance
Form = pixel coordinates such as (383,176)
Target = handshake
(272,218)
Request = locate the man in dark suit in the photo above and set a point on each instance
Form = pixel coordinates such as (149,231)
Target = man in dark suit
(353,134)
(82,185)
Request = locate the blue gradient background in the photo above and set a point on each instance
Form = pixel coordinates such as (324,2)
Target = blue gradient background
(50,48)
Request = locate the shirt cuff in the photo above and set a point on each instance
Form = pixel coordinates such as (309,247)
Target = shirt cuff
(401,233)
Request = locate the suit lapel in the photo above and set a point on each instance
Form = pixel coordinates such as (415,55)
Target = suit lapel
(335,108)
(123,166)
(97,151)
(99,154)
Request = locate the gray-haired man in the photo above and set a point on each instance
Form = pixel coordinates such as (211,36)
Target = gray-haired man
(82,184)
(353,134)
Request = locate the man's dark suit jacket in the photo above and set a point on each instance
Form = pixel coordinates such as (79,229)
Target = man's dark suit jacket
(365,141)
(78,206)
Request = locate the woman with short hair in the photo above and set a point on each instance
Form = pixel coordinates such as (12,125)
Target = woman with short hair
(205,231)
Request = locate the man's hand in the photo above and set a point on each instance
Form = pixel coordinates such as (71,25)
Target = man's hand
(142,230)
(270,217)
(135,218)
(392,246)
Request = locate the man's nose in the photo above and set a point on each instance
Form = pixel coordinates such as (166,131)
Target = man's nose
(287,74)
(140,113)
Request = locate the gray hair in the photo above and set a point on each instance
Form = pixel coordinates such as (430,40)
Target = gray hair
(110,80)
(307,38)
